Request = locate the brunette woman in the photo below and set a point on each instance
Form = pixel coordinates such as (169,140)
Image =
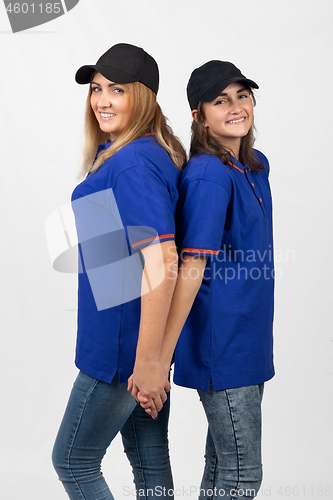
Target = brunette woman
(223,301)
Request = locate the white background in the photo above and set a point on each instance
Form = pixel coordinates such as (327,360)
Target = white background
(285,46)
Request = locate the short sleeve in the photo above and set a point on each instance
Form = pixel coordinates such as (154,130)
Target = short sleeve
(204,211)
(146,206)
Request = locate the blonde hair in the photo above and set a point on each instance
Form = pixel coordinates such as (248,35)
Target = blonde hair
(203,142)
(147,118)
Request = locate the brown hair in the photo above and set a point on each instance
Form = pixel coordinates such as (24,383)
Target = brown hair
(203,142)
(147,117)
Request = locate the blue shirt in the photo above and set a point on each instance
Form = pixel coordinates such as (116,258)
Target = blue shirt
(129,202)
(227,215)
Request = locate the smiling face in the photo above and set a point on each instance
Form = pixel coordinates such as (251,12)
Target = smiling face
(229,117)
(112,104)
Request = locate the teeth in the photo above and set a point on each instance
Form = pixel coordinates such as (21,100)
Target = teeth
(237,121)
(107,115)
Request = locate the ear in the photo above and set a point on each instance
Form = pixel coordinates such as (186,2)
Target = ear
(195,115)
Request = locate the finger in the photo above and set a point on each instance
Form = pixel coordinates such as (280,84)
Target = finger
(141,398)
(148,411)
(153,411)
(164,397)
(134,392)
(158,403)
(167,387)
(130,383)
(146,405)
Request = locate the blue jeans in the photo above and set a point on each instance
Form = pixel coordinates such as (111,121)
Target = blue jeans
(95,413)
(233,466)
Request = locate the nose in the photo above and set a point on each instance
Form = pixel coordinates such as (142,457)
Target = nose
(103,100)
(235,106)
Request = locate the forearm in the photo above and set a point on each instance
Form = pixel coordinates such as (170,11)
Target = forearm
(150,381)
(155,304)
(189,281)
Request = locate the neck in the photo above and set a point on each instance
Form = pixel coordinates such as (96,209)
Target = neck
(234,152)
(233,149)
(232,146)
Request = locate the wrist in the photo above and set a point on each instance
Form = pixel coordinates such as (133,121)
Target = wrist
(166,358)
(144,361)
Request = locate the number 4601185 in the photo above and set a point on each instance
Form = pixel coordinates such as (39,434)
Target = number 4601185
(24,8)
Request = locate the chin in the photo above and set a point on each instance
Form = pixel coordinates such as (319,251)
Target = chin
(106,129)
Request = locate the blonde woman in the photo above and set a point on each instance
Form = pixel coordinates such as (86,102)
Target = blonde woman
(125,210)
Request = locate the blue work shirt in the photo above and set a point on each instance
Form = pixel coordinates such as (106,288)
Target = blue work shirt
(129,202)
(227,215)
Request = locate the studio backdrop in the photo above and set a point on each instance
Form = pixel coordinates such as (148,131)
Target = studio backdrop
(286,47)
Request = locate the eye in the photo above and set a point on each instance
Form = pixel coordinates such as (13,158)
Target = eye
(95,89)
(220,101)
(118,90)
(244,96)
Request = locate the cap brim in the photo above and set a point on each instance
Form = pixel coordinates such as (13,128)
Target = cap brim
(84,74)
(216,90)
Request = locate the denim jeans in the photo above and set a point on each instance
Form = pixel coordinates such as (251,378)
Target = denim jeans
(95,413)
(233,466)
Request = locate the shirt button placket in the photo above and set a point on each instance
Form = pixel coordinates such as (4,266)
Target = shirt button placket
(255,194)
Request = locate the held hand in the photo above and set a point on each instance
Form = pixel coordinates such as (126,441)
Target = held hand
(135,391)
(150,409)
(149,385)
(148,405)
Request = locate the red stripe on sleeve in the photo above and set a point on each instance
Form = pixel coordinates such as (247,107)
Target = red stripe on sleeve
(156,238)
(200,250)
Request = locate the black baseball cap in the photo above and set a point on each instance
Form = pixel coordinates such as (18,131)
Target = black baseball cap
(208,81)
(123,63)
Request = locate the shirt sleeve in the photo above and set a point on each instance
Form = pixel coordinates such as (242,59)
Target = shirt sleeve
(145,205)
(203,217)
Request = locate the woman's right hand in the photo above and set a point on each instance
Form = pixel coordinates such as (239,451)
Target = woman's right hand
(149,404)
(149,385)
